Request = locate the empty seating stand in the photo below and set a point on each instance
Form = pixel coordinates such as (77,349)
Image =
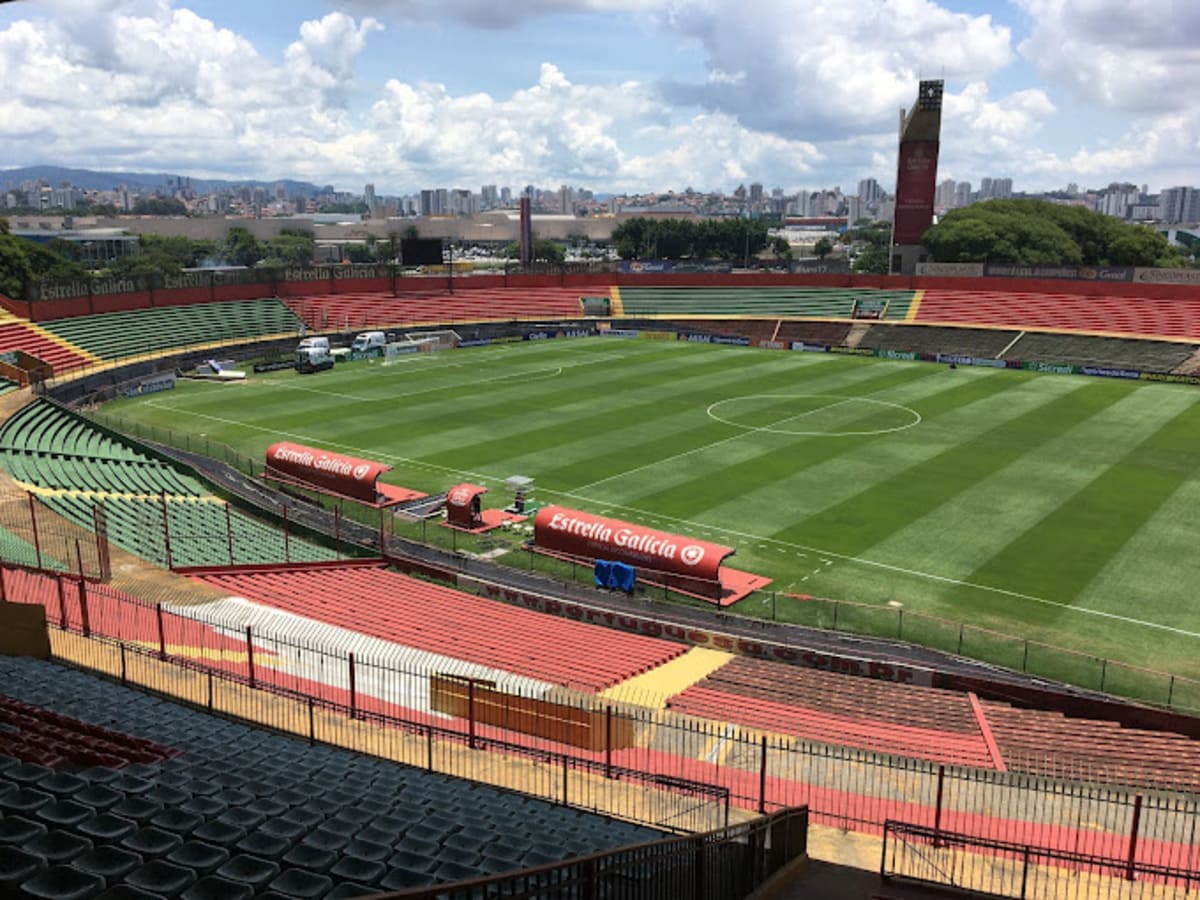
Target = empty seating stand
(799,302)
(385,604)
(1132,316)
(49,447)
(820,706)
(242,812)
(136,332)
(360,310)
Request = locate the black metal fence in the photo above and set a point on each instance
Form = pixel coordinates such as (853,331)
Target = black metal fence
(998,868)
(725,864)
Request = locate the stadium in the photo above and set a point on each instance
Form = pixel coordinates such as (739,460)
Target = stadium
(616,584)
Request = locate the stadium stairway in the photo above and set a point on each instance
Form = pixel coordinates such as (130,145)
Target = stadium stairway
(237,811)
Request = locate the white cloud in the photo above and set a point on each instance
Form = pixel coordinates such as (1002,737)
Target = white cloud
(489,13)
(1136,55)
(831,67)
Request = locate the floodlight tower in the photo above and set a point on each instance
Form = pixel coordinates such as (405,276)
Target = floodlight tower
(916,177)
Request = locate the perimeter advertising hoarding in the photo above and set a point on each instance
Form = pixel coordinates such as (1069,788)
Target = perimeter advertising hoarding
(916,184)
(594,537)
(335,472)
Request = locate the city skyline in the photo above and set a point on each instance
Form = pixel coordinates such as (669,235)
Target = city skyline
(621,96)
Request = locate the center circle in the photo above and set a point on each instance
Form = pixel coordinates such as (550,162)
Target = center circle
(791,413)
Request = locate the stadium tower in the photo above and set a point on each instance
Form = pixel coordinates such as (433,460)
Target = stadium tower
(916,177)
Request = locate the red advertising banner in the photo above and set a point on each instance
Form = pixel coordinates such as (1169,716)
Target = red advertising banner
(594,537)
(334,472)
(916,184)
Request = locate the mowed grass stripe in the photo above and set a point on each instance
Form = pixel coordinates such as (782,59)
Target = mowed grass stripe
(367,426)
(773,491)
(1061,555)
(868,517)
(674,428)
(514,409)
(647,450)
(959,535)
(630,404)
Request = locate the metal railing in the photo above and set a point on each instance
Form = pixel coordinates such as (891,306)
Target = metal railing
(725,864)
(1021,871)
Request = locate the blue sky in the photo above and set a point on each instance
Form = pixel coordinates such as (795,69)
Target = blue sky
(612,95)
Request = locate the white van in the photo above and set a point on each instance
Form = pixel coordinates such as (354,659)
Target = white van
(314,343)
(369,340)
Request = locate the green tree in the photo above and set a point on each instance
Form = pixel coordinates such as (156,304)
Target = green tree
(292,247)
(872,260)
(359,253)
(823,247)
(781,248)
(15,270)
(241,248)
(1037,232)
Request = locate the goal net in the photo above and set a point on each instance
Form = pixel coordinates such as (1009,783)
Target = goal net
(438,340)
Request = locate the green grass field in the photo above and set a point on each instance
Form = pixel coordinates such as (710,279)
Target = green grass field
(1060,509)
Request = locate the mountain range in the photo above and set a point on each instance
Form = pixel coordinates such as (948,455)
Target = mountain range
(89,179)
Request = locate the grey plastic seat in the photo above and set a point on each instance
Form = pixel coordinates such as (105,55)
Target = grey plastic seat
(151,841)
(198,856)
(268,846)
(399,878)
(64,784)
(301,884)
(106,827)
(370,850)
(406,859)
(452,871)
(128,892)
(64,813)
(24,801)
(352,868)
(18,830)
(326,839)
(214,887)
(110,863)
(161,877)
(137,809)
(17,865)
(247,869)
(348,890)
(205,807)
(58,846)
(304,856)
(98,797)
(222,834)
(176,821)
(283,828)
(27,773)
(63,883)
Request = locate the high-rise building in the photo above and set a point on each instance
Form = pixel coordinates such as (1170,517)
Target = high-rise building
(870,191)
(945,195)
(488,197)
(962,194)
(1179,205)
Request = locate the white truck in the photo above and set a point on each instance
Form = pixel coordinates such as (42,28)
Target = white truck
(369,340)
(312,355)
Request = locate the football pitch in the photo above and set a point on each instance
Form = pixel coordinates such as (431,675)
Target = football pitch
(1058,509)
